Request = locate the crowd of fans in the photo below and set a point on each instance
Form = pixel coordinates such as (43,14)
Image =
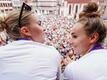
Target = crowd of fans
(57,32)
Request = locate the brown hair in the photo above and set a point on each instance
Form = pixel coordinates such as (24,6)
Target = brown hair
(92,22)
(10,24)
(92,25)
(90,10)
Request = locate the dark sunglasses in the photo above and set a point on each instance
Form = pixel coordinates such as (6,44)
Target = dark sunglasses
(24,7)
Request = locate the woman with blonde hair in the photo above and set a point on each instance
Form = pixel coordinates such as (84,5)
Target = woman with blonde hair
(26,57)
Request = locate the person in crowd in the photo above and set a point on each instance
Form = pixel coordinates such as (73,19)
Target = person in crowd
(87,37)
(27,57)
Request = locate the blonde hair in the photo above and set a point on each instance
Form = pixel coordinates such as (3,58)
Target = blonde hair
(1,19)
(11,23)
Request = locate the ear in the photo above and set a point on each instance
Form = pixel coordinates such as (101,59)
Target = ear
(94,37)
(25,31)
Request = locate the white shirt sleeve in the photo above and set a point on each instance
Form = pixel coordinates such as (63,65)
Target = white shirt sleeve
(68,73)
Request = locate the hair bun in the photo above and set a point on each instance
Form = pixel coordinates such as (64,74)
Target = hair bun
(90,7)
(90,10)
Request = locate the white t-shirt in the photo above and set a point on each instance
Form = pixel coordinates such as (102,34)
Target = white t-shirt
(28,60)
(92,66)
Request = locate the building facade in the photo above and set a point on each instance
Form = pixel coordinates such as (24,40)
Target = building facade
(41,6)
(69,8)
(103,4)
(47,6)
(5,6)
(72,8)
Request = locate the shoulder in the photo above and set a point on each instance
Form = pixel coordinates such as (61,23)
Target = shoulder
(99,51)
(95,54)
(46,47)
(86,63)
(50,50)
(68,72)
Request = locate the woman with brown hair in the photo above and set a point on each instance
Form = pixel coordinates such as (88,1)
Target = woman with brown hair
(87,36)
